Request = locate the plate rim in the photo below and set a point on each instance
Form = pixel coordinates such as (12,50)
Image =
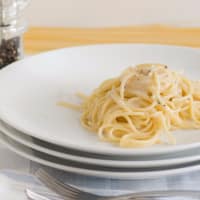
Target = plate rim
(18,137)
(101,174)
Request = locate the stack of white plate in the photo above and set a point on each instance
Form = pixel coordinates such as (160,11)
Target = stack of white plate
(34,126)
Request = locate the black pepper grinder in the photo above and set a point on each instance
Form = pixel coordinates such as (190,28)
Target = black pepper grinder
(12,27)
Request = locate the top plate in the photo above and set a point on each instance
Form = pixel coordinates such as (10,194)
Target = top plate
(31,88)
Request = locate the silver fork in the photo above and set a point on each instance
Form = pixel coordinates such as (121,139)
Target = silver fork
(69,192)
(34,196)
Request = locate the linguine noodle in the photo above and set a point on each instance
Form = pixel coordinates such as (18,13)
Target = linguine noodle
(142,106)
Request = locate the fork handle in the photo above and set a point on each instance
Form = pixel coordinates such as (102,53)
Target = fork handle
(189,194)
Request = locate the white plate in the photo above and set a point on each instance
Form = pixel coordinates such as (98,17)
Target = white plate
(182,157)
(31,88)
(91,170)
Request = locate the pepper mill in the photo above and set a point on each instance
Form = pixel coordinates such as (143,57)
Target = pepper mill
(12,27)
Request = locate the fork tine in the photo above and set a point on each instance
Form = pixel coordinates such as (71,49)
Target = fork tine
(44,174)
(65,190)
(54,182)
(53,185)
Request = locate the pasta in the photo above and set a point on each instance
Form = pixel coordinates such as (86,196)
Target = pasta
(142,106)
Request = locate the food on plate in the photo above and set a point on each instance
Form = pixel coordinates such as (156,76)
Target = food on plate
(142,106)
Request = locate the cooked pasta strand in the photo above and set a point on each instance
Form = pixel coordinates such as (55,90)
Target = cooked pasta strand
(140,106)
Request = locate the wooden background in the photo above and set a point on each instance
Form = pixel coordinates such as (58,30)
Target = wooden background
(39,39)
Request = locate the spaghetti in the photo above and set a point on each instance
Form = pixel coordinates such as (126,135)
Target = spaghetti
(141,106)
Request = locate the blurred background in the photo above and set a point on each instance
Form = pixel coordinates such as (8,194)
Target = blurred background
(103,13)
